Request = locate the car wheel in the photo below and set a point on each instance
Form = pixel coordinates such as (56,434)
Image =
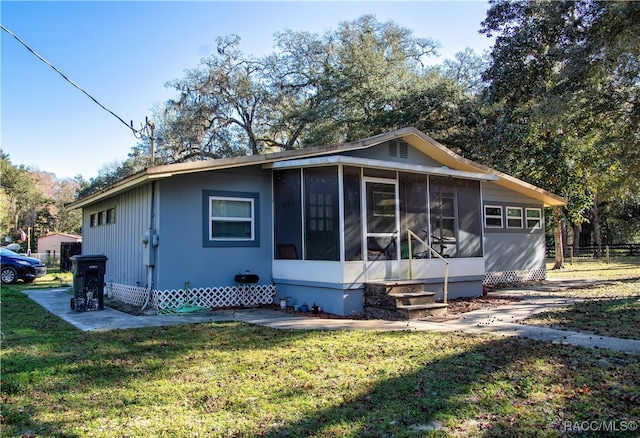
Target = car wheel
(9,275)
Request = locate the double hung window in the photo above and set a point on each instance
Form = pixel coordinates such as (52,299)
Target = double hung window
(231,219)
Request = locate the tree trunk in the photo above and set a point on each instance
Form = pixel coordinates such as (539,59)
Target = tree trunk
(577,230)
(597,228)
(557,234)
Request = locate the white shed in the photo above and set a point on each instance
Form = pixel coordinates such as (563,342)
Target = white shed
(51,244)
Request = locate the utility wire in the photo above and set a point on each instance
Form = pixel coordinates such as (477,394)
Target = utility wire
(135,132)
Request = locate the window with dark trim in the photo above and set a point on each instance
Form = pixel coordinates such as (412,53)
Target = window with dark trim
(103,217)
(492,216)
(231,218)
(111,216)
(514,217)
(534,217)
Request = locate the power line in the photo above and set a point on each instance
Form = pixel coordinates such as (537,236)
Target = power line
(135,131)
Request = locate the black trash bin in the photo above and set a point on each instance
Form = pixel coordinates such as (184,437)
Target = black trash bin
(88,282)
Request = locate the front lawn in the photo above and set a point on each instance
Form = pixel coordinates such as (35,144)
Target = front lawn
(234,379)
(610,300)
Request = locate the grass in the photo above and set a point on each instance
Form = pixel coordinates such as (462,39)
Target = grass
(234,379)
(610,299)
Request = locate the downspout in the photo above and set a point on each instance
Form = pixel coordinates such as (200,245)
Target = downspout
(152,242)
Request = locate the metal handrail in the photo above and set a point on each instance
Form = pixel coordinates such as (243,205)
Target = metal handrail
(411,234)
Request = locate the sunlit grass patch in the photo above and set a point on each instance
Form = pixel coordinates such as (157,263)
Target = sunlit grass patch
(610,299)
(234,379)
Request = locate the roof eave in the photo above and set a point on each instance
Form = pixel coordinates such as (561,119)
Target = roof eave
(449,158)
(411,135)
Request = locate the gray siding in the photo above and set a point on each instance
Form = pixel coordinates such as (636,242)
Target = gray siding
(508,249)
(493,193)
(514,251)
(382,152)
(182,256)
(120,241)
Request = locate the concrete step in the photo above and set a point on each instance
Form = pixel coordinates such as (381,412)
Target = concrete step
(394,287)
(418,311)
(414,298)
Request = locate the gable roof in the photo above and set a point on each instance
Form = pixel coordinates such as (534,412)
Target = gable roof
(422,142)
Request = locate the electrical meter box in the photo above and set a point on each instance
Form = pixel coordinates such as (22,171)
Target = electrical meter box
(88,282)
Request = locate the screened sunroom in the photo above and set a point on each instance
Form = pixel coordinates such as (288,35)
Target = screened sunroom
(342,221)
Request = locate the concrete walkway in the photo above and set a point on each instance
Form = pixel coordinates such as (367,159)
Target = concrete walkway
(502,320)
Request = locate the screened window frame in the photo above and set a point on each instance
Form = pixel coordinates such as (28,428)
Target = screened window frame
(488,216)
(510,218)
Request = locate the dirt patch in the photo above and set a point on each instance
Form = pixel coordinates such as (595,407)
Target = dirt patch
(463,305)
(310,314)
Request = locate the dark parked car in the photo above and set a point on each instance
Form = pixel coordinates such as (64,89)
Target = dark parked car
(18,267)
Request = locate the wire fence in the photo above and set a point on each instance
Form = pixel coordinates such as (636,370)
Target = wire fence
(604,252)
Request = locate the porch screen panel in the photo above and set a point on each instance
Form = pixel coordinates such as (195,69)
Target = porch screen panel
(444,230)
(469,220)
(413,213)
(288,214)
(352,214)
(321,213)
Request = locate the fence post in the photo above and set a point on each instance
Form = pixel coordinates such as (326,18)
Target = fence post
(607,254)
(571,255)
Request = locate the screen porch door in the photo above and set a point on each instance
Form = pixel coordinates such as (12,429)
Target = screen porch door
(381,226)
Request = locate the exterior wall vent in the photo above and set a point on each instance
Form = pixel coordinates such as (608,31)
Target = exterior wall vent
(398,149)
(393,148)
(404,150)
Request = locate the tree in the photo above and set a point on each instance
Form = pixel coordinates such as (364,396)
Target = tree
(24,201)
(545,103)
(315,89)
(219,111)
(36,200)
(467,68)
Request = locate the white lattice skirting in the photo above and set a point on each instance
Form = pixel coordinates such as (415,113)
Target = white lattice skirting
(134,295)
(212,297)
(499,277)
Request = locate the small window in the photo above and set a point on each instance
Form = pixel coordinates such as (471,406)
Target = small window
(232,219)
(92,220)
(534,218)
(111,216)
(492,216)
(514,217)
(101,217)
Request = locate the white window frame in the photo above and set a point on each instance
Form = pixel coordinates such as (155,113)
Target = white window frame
(520,217)
(251,219)
(539,218)
(492,216)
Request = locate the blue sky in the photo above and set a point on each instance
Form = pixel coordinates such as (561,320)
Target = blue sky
(123,54)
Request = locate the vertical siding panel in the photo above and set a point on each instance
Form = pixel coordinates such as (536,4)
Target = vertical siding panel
(120,241)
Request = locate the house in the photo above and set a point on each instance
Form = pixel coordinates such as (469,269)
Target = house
(316,225)
(51,243)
